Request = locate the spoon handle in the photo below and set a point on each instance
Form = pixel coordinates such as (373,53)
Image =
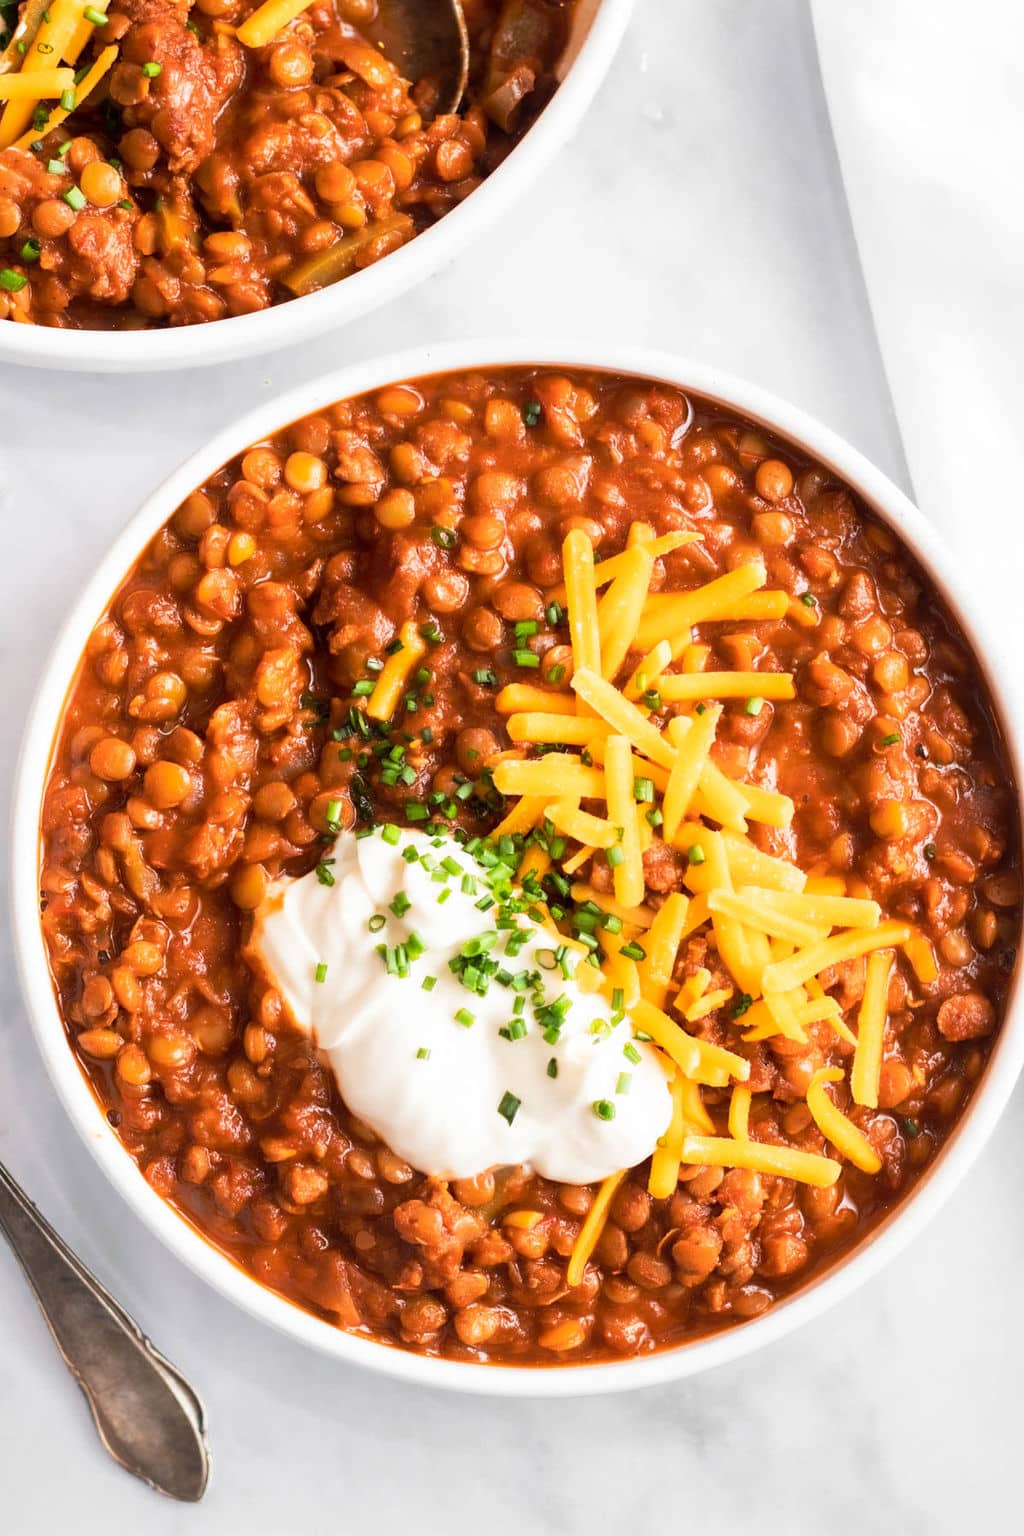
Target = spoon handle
(147,1415)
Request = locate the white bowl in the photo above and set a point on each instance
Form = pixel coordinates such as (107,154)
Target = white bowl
(597,31)
(887,1239)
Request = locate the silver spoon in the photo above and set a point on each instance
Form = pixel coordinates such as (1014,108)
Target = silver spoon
(147,1415)
(425,39)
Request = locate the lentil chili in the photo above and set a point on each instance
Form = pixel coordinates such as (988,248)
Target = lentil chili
(216,737)
(203,178)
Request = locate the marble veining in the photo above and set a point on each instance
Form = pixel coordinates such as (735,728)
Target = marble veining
(700,209)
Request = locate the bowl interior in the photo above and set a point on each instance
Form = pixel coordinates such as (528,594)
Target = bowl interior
(961,1148)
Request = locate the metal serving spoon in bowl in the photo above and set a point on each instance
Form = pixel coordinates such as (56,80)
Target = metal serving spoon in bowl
(147,1415)
(425,39)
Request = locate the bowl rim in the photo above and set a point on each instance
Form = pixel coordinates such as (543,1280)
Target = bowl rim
(885,1241)
(284,325)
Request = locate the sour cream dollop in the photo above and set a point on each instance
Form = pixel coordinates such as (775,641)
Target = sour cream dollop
(424,1063)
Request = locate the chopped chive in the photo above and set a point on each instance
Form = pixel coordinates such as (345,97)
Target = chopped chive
(324,874)
(428,983)
(484,676)
(890,740)
(390,833)
(604,1109)
(631,1053)
(655,817)
(808,599)
(525,658)
(67,101)
(321,972)
(742,1005)
(423,1054)
(532,412)
(652,698)
(363,688)
(401,904)
(615,856)
(623,1081)
(11,281)
(754,706)
(643,789)
(633,951)
(332,815)
(556,674)
(30,250)
(152,70)
(618,1000)
(376,922)
(552,1067)
(508,1108)
(696,854)
(96,17)
(444,538)
(430,633)
(55,167)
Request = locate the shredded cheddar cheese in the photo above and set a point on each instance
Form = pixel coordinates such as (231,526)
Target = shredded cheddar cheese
(834,1125)
(784,1162)
(593,1225)
(268,20)
(867,1058)
(667,1154)
(638,759)
(398,669)
(739,1112)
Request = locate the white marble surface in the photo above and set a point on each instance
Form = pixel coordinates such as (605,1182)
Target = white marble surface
(700,208)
